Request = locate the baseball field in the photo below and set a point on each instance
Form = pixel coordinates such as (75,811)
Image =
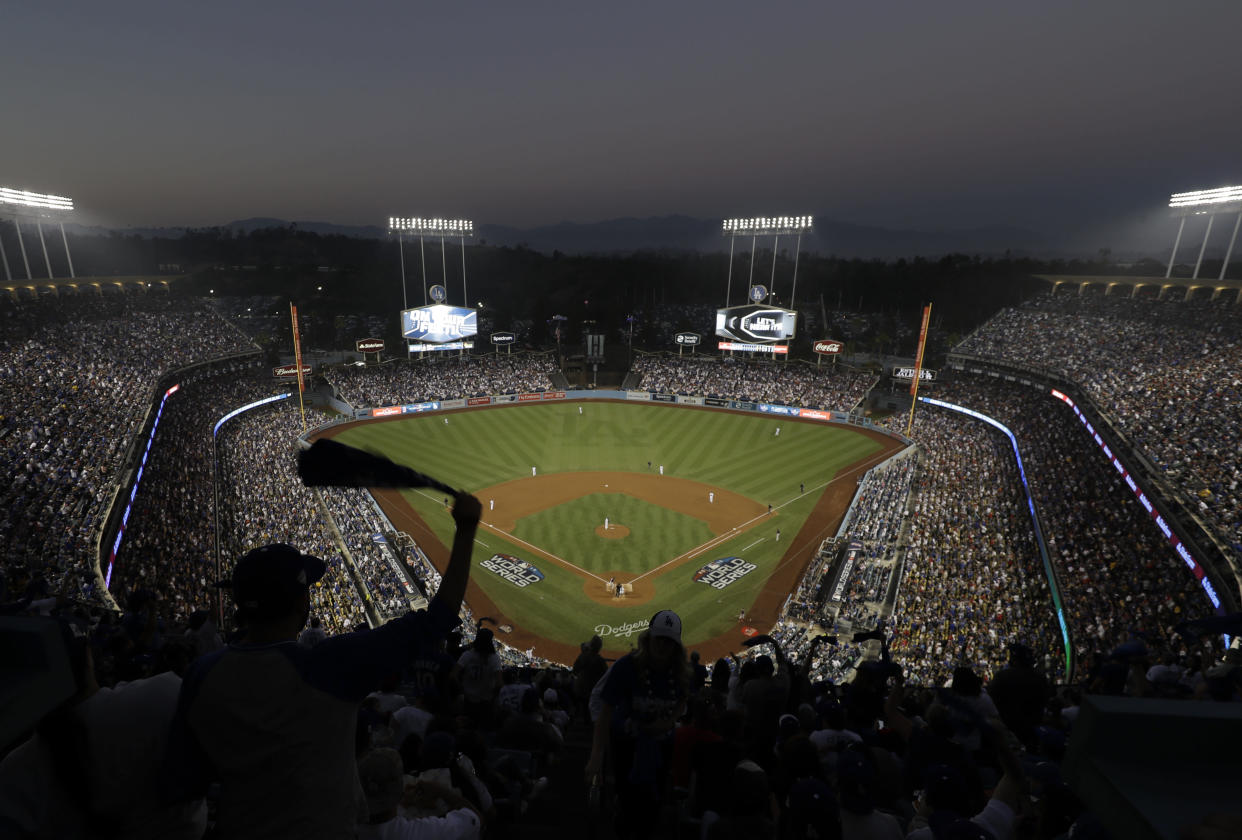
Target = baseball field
(708,512)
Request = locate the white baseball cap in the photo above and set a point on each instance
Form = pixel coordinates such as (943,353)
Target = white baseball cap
(665,624)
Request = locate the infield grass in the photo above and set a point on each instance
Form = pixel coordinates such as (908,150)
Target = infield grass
(481,448)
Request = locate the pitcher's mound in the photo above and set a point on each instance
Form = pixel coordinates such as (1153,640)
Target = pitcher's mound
(612,532)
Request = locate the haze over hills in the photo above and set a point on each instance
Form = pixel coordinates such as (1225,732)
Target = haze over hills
(685,233)
(1128,240)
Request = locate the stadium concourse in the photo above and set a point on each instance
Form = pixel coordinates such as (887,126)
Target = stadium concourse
(832,741)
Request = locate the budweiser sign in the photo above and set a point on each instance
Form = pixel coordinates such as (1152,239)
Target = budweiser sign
(828,347)
(290,371)
(369,345)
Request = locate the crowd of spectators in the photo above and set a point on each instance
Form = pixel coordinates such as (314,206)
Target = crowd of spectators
(787,383)
(268,503)
(400,382)
(365,534)
(76,376)
(168,547)
(973,581)
(1120,580)
(1165,371)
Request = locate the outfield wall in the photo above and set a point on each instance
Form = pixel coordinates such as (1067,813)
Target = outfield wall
(530,397)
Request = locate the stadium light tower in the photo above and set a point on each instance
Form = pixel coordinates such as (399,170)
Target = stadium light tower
(774,226)
(413,226)
(1209,203)
(23,204)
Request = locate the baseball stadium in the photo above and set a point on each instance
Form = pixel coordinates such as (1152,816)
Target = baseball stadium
(838,536)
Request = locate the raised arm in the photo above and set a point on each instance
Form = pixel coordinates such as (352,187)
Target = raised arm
(466,512)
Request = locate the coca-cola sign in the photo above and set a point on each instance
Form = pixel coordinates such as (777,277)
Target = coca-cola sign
(369,345)
(828,347)
(290,371)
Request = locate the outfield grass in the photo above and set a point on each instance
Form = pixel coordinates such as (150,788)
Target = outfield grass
(741,453)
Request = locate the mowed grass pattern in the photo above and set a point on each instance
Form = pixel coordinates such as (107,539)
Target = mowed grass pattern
(477,449)
(742,453)
(656,533)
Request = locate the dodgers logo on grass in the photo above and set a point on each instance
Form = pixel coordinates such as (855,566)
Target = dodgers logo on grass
(720,573)
(517,572)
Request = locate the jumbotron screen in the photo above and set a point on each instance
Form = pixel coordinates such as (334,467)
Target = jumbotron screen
(756,323)
(439,323)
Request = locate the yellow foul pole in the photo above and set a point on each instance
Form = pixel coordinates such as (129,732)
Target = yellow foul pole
(297,360)
(918,368)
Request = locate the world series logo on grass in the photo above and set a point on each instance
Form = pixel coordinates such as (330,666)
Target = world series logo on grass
(720,573)
(517,572)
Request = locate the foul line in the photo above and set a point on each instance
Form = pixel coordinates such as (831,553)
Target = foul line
(715,541)
(541,551)
(694,552)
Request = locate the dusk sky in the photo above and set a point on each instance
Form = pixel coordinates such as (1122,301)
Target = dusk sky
(936,115)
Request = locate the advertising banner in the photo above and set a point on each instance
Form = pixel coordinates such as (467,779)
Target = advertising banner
(479,401)
(439,323)
(387,411)
(778,409)
(290,371)
(451,345)
(452,404)
(687,339)
(529,397)
(554,395)
(503,338)
(690,400)
(815,414)
(716,401)
(742,405)
(828,347)
(638,395)
(419,408)
(776,349)
(925,375)
(664,397)
(756,323)
(369,345)
(505,398)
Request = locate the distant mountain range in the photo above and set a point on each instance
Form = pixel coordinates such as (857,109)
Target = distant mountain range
(684,233)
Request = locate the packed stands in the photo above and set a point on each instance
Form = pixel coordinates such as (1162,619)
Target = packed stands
(973,581)
(1165,371)
(77,379)
(400,382)
(793,383)
(1119,579)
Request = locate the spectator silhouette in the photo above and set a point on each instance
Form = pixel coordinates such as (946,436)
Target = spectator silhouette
(274,722)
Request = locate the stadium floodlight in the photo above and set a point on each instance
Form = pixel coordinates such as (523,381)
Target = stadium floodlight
(403,226)
(36,201)
(1207,200)
(766,226)
(430,227)
(1205,203)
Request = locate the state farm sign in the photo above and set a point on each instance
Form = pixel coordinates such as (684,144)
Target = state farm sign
(369,345)
(828,347)
(290,371)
